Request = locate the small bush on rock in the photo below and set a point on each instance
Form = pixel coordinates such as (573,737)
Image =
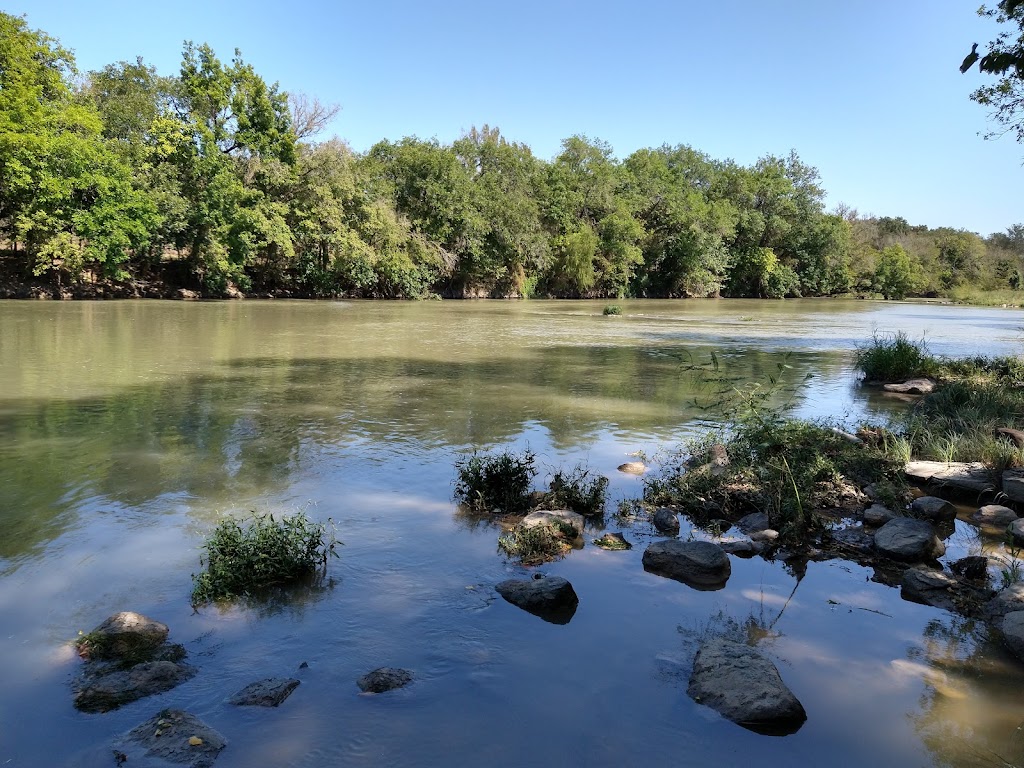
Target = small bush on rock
(580,490)
(264,552)
(498,481)
(894,357)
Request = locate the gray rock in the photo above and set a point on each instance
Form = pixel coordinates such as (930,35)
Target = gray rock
(126,635)
(912,387)
(855,539)
(767,536)
(1013,632)
(959,476)
(741,547)
(994,514)
(172,735)
(104,687)
(552,598)
(633,468)
(555,518)
(666,521)
(743,686)
(613,541)
(755,521)
(928,586)
(699,564)
(872,492)
(907,539)
(877,515)
(1006,601)
(384,679)
(1013,485)
(1016,531)
(265,693)
(933,508)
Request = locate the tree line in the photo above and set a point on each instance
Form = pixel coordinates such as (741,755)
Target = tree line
(213,179)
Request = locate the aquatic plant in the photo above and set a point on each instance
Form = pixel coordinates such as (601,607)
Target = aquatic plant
(580,490)
(613,309)
(244,558)
(536,544)
(496,481)
(894,357)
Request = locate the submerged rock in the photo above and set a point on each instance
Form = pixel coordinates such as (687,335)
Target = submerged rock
(925,585)
(384,679)
(109,687)
(265,693)
(855,539)
(745,687)
(741,547)
(994,514)
(699,564)
(557,518)
(177,737)
(633,467)
(907,539)
(124,636)
(932,508)
(552,598)
(613,541)
(877,515)
(666,521)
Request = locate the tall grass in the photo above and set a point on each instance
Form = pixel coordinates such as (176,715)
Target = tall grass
(894,357)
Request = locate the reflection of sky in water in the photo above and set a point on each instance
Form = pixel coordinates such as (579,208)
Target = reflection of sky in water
(128,429)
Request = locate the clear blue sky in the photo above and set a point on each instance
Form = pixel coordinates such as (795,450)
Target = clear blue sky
(869,92)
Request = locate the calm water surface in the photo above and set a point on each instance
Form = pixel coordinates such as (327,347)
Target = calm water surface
(128,429)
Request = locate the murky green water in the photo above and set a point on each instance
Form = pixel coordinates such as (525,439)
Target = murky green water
(128,429)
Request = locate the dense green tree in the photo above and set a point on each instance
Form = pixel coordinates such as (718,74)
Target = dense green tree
(897,274)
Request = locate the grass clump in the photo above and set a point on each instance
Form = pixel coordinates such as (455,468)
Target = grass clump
(243,559)
(894,357)
(536,544)
(613,309)
(580,490)
(495,482)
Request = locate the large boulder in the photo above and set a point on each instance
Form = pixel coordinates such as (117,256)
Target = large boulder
(743,686)
(969,478)
(1013,485)
(927,586)
(552,598)
(265,693)
(699,564)
(557,518)
(909,540)
(933,508)
(175,737)
(384,679)
(994,514)
(666,521)
(107,687)
(1013,632)
(125,636)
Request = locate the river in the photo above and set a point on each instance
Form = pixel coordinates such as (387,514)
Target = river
(128,429)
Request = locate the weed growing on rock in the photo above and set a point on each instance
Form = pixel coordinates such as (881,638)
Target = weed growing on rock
(493,482)
(894,357)
(580,490)
(536,544)
(242,559)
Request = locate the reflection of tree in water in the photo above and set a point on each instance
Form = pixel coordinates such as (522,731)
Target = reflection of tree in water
(971,711)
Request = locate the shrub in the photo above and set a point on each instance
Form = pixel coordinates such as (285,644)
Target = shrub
(579,490)
(613,309)
(492,482)
(264,552)
(894,357)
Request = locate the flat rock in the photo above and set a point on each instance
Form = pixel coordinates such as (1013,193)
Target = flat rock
(1013,485)
(613,541)
(912,387)
(177,737)
(928,586)
(555,518)
(907,539)
(125,635)
(994,514)
(107,687)
(740,547)
(384,679)
(964,477)
(1006,601)
(699,564)
(633,467)
(755,521)
(1013,632)
(745,687)
(767,536)
(265,693)
(856,539)
(666,521)
(1016,531)
(552,598)
(877,515)
(932,508)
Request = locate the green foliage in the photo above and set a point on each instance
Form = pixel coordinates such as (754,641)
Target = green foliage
(612,309)
(580,490)
(896,274)
(243,559)
(534,545)
(496,481)
(1005,60)
(894,357)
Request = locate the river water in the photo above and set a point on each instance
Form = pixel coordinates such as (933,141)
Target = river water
(128,429)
